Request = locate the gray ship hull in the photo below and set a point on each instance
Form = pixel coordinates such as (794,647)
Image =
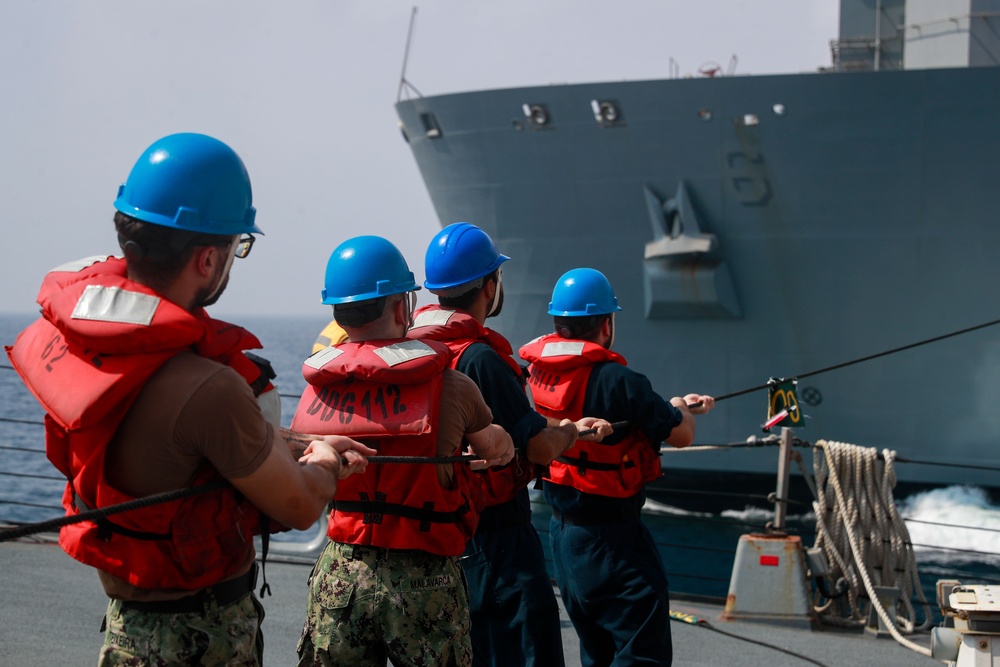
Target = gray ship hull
(757,227)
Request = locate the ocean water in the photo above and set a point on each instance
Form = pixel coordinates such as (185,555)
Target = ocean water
(955,530)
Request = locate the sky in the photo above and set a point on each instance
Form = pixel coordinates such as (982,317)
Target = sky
(304,92)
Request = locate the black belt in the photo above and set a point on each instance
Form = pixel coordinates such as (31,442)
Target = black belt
(222,594)
(596,518)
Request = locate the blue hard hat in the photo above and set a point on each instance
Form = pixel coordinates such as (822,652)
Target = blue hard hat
(459,254)
(366,267)
(191,182)
(582,292)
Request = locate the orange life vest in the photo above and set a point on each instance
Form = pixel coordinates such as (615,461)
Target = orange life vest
(558,373)
(387,394)
(100,339)
(458,330)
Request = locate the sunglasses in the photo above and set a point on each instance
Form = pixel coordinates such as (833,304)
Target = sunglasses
(243,246)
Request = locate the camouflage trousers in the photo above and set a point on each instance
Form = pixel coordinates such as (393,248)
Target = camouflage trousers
(227,635)
(367,604)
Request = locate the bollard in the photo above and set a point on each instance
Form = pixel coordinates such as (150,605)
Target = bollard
(887,596)
(769,582)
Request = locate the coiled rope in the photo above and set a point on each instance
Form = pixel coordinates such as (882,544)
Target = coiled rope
(864,538)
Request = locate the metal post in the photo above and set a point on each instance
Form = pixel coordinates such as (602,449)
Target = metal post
(878,34)
(784,466)
(406,55)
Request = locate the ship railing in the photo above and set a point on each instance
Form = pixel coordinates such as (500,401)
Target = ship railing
(697,547)
(955,19)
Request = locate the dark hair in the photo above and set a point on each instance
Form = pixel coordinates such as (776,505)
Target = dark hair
(155,253)
(464,300)
(359,313)
(580,328)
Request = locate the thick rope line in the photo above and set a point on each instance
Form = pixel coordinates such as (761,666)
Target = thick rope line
(462,458)
(305,438)
(751,443)
(96,514)
(861,528)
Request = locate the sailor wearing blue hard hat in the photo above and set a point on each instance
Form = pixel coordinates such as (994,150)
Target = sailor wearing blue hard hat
(185,190)
(515,617)
(608,569)
(343,275)
(462,258)
(149,394)
(400,396)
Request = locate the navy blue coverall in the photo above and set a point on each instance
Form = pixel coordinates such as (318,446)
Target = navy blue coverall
(609,570)
(515,616)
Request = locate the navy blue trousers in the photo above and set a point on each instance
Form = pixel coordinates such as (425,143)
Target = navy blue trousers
(515,616)
(614,588)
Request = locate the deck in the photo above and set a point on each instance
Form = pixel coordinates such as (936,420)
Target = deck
(52,609)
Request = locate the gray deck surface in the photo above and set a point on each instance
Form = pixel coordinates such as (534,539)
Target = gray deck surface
(51,609)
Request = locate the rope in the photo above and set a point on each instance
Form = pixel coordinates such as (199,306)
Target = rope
(751,442)
(800,375)
(691,619)
(21,503)
(21,421)
(703,448)
(864,537)
(810,373)
(945,464)
(33,450)
(306,438)
(955,549)
(94,515)
(729,494)
(951,525)
(53,478)
(463,458)
(862,359)
(101,513)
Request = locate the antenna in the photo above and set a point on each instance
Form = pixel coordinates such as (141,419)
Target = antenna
(403,83)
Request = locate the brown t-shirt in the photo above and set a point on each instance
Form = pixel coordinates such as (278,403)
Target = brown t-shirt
(463,410)
(193,413)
